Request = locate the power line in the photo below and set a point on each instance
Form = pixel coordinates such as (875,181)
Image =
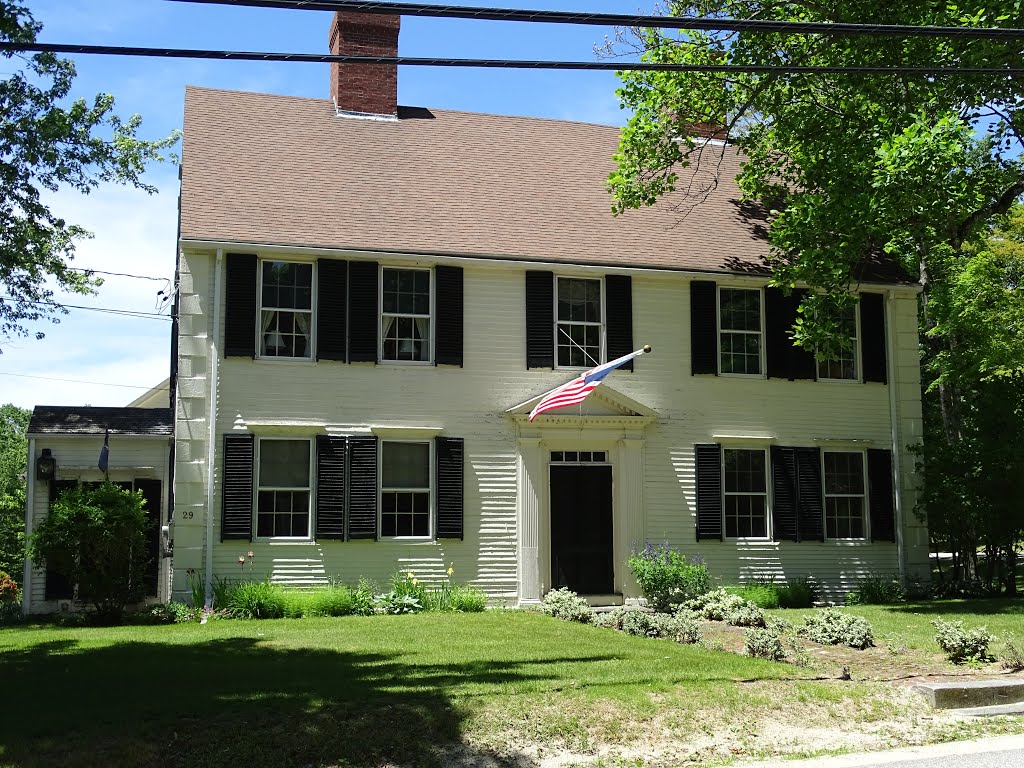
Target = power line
(315,58)
(126,312)
(629,20)
(81,381)
(118,274)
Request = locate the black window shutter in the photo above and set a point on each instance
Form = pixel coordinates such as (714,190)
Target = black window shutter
(882,499)
(810,506)
(703,327)
(362,487)
(331,309)
(363,311)
(448,328)
(778,320)
(709,491)
(872,337)
(540,319)
(802,363)
(237,488)
(240,305)
(331,472)
(618,292)
(56,586)
(785,501)
(450,492)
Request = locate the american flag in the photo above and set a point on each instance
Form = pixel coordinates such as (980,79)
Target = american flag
(576,391)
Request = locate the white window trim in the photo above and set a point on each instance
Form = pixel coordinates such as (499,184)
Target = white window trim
(603,353)
(257,488)
(719,331)
(380,315)
(768,523)
(311,357)
(863,496)
(431,494)
(858,373)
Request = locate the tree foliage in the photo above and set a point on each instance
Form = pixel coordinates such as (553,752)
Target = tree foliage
(13,459)
(851,167)
(47,143)
(856,171)
(96,538)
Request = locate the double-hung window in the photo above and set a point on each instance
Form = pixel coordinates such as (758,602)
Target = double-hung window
(286,309)
(405,489)
(405,314)
(579,322)
(283,488)
(844,365)
(843,478)
(740,330)
(746,493)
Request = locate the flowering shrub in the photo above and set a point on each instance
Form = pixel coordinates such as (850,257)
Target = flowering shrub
(831,626)
(643,624)
(963,646)
(720,605)
(763,644)
(610,619)
(667,577)
(566,605)
(685,628)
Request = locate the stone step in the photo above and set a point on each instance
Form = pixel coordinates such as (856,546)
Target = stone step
(973,693)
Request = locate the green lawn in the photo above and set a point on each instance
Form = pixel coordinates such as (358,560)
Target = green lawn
(348,691)
(909,624)
(401,690)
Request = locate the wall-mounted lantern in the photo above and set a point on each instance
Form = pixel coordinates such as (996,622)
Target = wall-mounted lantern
(46,466)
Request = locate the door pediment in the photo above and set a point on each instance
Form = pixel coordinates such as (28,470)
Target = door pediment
(605,406)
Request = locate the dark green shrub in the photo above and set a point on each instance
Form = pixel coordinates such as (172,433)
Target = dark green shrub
(336,600)
(667,577)
(256,600)
(174,613)
(96,538)
(876,590)
(798,593)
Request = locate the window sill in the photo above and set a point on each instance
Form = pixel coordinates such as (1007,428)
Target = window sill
(742,376)
(409,539)
(405,362)
(840,381)
(285,360)
(285,542)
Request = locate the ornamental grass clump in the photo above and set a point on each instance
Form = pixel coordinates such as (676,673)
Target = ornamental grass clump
(667,577)
(963,646)
(566,605)
(876,590)
(335,600)
(831,626)
(257,600)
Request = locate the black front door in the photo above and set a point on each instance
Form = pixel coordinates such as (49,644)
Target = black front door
(581,529)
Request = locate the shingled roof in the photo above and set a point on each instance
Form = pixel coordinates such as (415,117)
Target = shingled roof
(74,420)
(283,170)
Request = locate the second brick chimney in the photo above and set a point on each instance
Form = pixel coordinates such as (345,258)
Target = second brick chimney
(367,89)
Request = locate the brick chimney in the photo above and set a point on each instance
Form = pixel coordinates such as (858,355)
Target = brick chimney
(369,89)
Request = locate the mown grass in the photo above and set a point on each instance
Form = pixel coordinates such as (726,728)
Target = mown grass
(346,691)
(909,623)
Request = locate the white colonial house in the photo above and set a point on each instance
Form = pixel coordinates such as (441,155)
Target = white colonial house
(373,297)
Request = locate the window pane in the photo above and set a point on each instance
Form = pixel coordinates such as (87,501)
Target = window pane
(740,309)
(287,285)
(844,473)
(284,463)
(744,471)
(579,300)
(405,465)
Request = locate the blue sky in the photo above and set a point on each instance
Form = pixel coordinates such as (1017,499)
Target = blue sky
(135,232)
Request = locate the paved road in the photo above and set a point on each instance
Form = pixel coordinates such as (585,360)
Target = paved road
(997,752)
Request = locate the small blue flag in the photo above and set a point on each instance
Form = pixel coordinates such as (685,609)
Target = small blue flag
(105,451)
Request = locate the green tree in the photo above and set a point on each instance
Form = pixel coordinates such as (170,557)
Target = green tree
(96,538)
(49,144)
(13,459)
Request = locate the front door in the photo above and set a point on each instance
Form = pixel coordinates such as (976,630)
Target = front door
(581,529)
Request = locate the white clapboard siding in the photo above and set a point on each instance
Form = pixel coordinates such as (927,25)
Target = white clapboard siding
(469,402)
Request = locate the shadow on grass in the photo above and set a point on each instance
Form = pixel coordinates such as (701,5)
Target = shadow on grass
(984,607)
(234,702)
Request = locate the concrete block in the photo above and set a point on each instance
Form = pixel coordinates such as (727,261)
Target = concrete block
(973,693)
